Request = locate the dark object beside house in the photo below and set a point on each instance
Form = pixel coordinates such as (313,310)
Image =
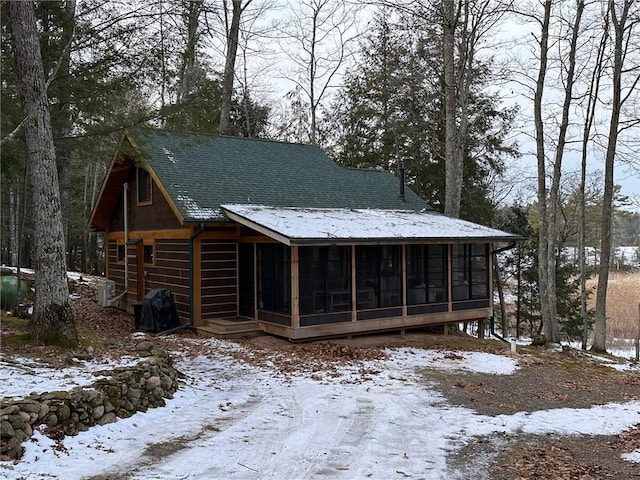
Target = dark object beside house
(158,311)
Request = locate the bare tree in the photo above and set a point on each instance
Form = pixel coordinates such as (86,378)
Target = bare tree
(53,321)
(551,327)
(232,32)
(543,232)
(590,112)
(466,25)
(187,74)
(625,18)
(549,199)
(323,31)
(255,57)
(453,163)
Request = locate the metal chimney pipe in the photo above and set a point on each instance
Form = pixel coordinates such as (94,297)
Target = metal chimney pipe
(402,182)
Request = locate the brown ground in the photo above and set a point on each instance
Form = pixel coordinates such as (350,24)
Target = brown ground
(547,379)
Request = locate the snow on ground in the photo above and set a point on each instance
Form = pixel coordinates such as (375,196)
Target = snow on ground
(21,376)
(232,420)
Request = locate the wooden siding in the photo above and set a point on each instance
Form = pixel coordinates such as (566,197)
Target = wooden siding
(171,271)
(219,278)
(132,272)
(115,269)
(156,216)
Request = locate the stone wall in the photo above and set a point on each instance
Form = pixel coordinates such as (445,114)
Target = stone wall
(124,392)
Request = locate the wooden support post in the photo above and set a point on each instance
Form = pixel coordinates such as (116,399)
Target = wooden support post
(354,289)
(449,277)
(404,281)
(197,282)
(255,281)
(481,323)
(295,288)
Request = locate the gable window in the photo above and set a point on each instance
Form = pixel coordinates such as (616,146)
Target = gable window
(148,254)
(144,187)
(121,253)
(470,271)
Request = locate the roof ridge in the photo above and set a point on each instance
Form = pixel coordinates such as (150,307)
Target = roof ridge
(215,135)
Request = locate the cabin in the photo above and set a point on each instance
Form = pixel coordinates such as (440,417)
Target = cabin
(264,236)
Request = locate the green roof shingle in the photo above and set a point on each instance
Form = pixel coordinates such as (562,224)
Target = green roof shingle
(201,172)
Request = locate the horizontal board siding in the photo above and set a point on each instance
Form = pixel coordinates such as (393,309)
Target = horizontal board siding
(171,271)
(219,278)
(178,246)
(219,281)
(217,265)
(217,256)
(219,310)
(116,271)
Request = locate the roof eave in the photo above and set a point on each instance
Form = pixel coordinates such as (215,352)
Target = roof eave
(397,240)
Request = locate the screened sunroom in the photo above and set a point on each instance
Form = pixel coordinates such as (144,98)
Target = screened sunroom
(331,272)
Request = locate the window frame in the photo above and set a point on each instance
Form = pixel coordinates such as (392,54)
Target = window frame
(428,265)
(274,278)
(149,188)
(149,244)
(469,264)
(121,261)
(379,268)
(324,279)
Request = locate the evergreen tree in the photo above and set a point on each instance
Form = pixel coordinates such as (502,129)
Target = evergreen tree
(391,110)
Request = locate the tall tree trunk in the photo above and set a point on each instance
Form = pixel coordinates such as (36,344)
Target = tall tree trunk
(85,209)
(552,330)
(53,321)
(233,32)
(188,66)
(594,88)
(312,76)
(65,121)
(621,30)
(463,86)
(543,276)
(453,168)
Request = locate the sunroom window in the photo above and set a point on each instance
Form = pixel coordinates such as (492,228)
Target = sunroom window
(426,274)
(325,279)
(470,271)
(274,278)
(379,276)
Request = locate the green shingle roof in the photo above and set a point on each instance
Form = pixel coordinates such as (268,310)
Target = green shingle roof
(201,172)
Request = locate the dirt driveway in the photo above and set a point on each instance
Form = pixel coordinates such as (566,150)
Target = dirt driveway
(548,379)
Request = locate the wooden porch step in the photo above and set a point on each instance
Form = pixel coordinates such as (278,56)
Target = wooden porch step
(224,328)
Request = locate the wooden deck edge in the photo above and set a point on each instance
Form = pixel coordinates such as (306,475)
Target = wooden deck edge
(363,327)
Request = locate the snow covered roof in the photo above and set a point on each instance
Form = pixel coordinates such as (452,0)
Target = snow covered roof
(294,226)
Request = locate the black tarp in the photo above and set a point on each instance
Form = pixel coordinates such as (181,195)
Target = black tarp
(158,311)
